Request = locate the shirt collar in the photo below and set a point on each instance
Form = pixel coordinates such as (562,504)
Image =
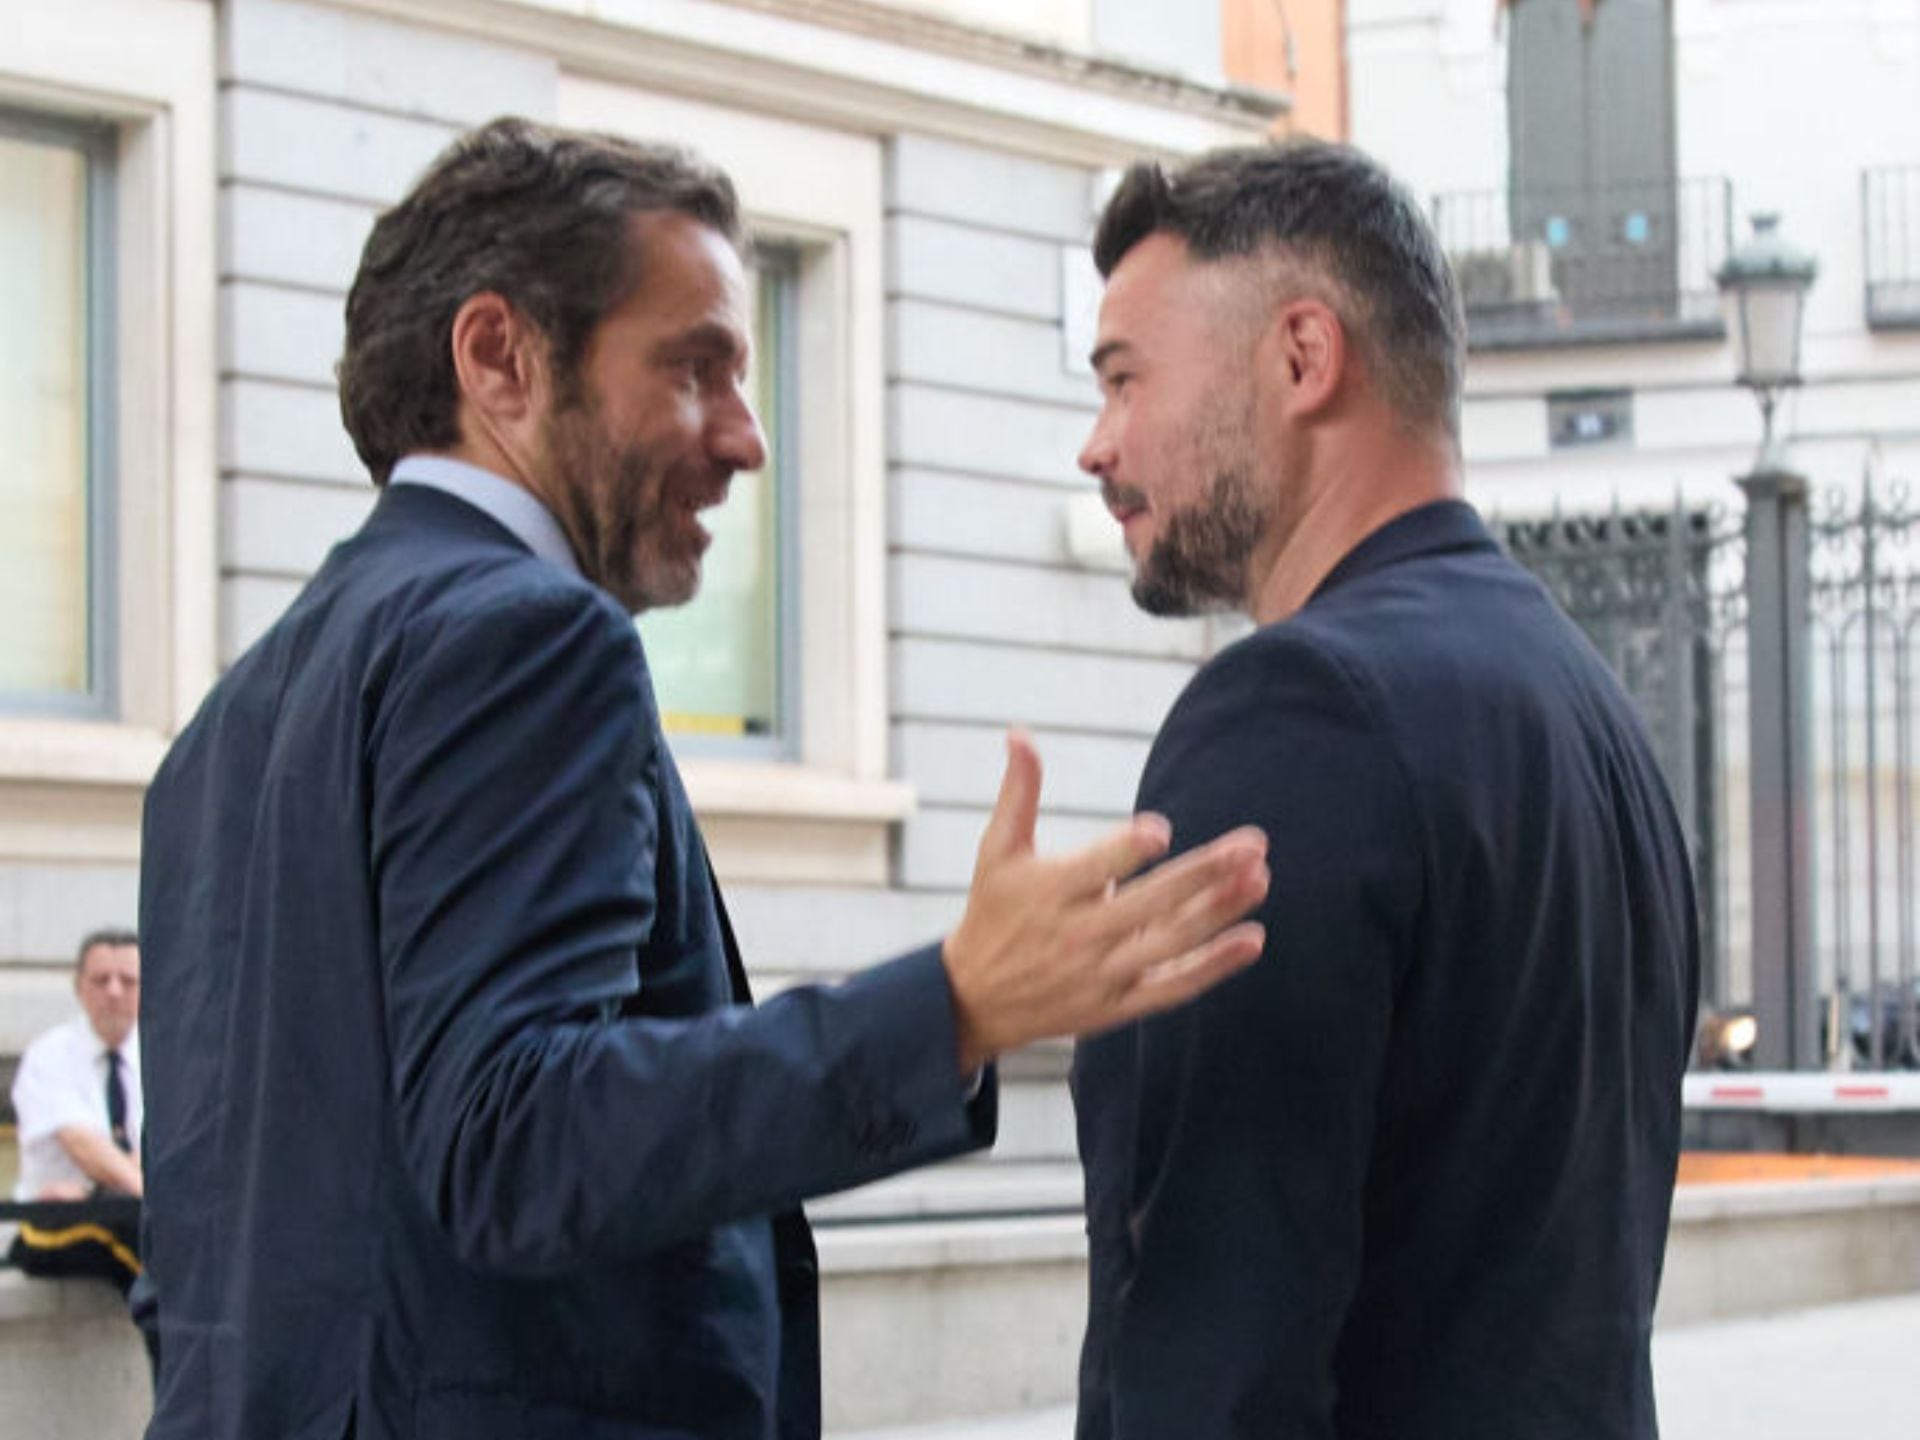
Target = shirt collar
(129,1048)
(512,506)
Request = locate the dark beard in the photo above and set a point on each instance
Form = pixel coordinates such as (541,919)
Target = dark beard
(1199,564)
(592,479)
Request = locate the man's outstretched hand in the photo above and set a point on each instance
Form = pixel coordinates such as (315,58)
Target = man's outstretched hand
(1071,945)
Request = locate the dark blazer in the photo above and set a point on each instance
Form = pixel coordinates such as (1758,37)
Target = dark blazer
(1407,1177)
(454,1128)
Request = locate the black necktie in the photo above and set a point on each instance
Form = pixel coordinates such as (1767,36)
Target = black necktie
(117,1103)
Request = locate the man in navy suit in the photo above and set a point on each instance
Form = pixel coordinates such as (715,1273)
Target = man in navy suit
(1409,1177)
(458,1124)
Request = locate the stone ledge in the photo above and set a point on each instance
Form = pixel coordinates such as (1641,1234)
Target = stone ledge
(25,1300)
(926,1246)
(1696,1204)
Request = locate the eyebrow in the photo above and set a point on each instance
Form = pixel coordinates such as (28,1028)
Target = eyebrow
(1105,352)
(709,337)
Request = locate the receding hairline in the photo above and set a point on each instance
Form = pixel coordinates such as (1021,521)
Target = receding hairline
(94,944)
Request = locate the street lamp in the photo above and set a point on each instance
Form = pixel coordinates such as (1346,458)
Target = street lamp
(1764,287)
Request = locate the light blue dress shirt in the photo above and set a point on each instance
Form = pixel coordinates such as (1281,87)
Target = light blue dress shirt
(513,506)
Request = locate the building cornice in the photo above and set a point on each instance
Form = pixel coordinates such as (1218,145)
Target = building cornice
(861,66)
(1232,103)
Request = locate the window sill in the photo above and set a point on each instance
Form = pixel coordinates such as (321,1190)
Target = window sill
(775,791)
(79,752)
(772,824)
(71,790)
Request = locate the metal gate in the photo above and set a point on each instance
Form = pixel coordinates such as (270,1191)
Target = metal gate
(1772,652)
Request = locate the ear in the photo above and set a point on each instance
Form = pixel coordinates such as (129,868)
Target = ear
(1310,349)
(499,359)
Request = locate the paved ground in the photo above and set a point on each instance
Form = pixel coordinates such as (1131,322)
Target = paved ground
(1844,1371)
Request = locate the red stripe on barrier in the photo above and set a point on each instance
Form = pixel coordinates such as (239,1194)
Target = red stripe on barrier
(1738,1092)
(1861,1092)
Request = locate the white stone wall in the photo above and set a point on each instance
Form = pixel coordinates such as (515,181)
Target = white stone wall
(993,624)
(326,117)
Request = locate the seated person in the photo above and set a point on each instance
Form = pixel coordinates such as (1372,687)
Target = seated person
(77,1096)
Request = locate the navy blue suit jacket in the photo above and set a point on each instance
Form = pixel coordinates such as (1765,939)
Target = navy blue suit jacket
(1408,1177)
(454,1127)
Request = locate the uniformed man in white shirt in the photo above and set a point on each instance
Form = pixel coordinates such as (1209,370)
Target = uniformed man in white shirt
(78,1101)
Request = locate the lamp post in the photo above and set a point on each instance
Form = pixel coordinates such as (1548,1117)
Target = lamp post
(1764,287)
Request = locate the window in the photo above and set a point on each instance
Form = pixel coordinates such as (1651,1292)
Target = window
(1595,237)
(721,665)
(56,203)
(109,539)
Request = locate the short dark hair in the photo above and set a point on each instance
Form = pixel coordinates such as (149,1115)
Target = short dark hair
(536,214)
(111,936)
(1333,209)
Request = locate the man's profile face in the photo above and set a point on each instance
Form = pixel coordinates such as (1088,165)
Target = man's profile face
(108,984)
(1174,448)
(658,421)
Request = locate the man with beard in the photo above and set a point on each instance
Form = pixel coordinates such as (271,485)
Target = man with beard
(458,1122)
(1410,1176)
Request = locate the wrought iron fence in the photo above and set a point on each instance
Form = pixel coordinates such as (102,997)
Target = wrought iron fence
(1556,265)
(1667,598)
(1864,603)
(1662,595)
(1890,224)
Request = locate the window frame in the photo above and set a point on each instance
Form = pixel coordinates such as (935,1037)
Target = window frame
(784,744)
(93,141)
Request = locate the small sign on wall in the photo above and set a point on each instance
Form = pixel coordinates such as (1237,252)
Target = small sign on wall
(1580,418)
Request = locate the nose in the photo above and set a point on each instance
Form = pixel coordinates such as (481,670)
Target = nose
(1097,455)
(736,440)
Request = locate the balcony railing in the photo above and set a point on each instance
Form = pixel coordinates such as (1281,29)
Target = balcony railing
(1585,265)
(1890,213)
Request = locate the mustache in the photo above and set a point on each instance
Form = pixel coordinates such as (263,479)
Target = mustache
(1122,497)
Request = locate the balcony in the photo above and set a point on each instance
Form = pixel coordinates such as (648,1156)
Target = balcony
(1576,266)
(1890,213)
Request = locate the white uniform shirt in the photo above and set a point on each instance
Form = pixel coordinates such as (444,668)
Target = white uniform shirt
(62,1081)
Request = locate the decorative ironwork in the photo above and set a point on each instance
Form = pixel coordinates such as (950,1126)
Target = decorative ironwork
(1665,597)
(1662,597)
(1864,616)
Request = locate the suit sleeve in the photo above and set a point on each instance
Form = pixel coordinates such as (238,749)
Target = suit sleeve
(513,827)
(1255,1105)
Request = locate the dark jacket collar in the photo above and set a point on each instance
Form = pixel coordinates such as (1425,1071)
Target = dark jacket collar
(1433,529)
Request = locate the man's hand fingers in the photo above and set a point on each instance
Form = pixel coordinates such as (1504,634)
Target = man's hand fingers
(1176,981)
(1009,829)
(1115,856)
(1154,897)
(1191,924)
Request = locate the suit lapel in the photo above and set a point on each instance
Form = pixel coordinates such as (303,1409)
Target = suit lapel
(736,967)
